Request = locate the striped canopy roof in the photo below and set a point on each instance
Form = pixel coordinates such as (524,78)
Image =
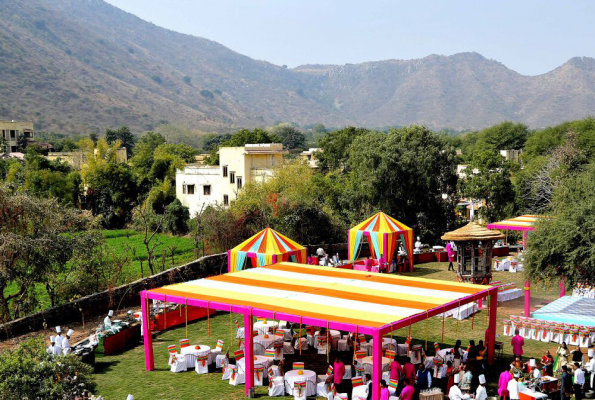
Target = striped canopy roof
(325,293)
(522,223)
(264,246)
(382,223)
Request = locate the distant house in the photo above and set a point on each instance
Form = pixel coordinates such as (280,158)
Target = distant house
(511,155)
(198,186)
(12,132)
(310,157)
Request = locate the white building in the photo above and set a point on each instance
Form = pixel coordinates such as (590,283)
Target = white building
(198,186)
(310,157)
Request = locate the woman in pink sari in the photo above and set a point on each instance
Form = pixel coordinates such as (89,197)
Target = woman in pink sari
(505,377)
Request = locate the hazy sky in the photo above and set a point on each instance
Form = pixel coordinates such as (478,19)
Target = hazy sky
(528,36)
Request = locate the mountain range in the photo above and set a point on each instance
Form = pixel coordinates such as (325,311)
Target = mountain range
(81,65)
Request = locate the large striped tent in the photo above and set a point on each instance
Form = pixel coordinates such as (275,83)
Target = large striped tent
(347,300)
(266,247)
(382,232)
(525,223)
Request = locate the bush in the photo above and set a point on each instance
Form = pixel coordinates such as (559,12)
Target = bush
(207,93)
(176,218)
(157,79)
(30,373)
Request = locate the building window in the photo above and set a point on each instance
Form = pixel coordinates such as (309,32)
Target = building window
(190,189)
(232,177)
(225,200)
(12,134)
(206,190)
(239,182)
(225,171)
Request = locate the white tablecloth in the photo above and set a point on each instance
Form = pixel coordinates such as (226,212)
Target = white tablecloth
(510,294)
(266,342)
(264,327)
(259,361)
(292,376)
(204,350)
(385,342)
(385,362)
(462,312)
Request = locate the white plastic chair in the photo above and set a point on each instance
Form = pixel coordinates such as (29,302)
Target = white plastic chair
(178,364)
(277,387)
(237,377)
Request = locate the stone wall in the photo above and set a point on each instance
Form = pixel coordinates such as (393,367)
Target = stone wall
(121,297)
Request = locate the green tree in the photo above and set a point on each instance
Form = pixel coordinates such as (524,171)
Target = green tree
(125,137)
(28,372)
(504,136)
(290,136)
(144,152)
(407,173)
(176,218)
(562,247)
(488,180)
(336,146)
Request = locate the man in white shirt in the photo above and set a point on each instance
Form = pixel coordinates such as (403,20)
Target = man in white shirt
(320,252)
(590,366)
(50,349)
(66,342)
(455,393)
(107,322)
(513,388)
(480,393)
(579,381)
(58,338)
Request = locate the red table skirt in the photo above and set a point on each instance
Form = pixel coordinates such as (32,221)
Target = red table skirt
(175,317)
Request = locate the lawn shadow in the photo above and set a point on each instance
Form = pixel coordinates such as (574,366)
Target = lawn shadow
(103,366)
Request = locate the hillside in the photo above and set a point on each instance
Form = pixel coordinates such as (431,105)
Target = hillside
(77,65)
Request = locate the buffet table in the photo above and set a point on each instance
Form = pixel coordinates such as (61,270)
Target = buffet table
(114,343)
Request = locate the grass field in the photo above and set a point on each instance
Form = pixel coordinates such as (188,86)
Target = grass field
(122,241)
(122,374)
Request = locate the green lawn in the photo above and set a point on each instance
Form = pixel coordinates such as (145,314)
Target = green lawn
(123,241)
(122,374)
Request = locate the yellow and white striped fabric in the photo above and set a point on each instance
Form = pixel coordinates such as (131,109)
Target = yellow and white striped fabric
(344,296)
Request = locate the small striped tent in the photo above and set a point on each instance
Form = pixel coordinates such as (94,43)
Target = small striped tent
(266,247)
(382,232)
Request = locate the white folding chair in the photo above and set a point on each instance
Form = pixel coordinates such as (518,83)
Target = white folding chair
(277,387)
(300,390)
(237,377)
(201,365)
(178,364)
(288,348)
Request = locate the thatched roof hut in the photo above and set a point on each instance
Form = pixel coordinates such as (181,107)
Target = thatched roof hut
(473,231)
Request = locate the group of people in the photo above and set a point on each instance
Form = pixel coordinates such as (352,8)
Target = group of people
(60,345)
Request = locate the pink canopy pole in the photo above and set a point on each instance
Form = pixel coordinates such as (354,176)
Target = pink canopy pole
(377,364)
(228,260)
(248,352)
(527,299)
(492,325)
(148,338)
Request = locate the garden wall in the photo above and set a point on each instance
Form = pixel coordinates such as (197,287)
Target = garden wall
(127,296)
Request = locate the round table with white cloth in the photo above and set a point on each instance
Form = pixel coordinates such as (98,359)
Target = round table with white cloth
(203,351)
(334,336)
(266,342)
(292,376)
(370,360)
(386,342)
(260,361)
(263,327)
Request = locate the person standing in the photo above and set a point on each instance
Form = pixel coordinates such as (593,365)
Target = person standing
(66,342)
(396,370)
(517,343)
(107,321)
(562,354)
(480,393)
(579,381)
(384,392)
(408,391)
(513,388)
(409,371)
(424,378)
(58,338)
(505,377)
(455,393)
(450,375)
(566,386)
(451,256)
(590,367)
(577,355)
(547,361)
(338,372)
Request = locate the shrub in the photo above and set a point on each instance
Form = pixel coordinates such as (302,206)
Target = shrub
(176,218)
(207,93)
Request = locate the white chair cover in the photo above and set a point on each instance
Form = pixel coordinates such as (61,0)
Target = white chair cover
(368,368)
(277,388)
(201,369)
(276,370)
(322,348)
(258,379)
(226,373)
(178,364)
(288,348)
(259,349)
(296,391)
(220,359)
(324,390)
(348,372)
(237,377)
(303,342)
(359,392)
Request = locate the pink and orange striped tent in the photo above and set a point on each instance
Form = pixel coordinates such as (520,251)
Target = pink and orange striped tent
(265,248)
(382,232)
